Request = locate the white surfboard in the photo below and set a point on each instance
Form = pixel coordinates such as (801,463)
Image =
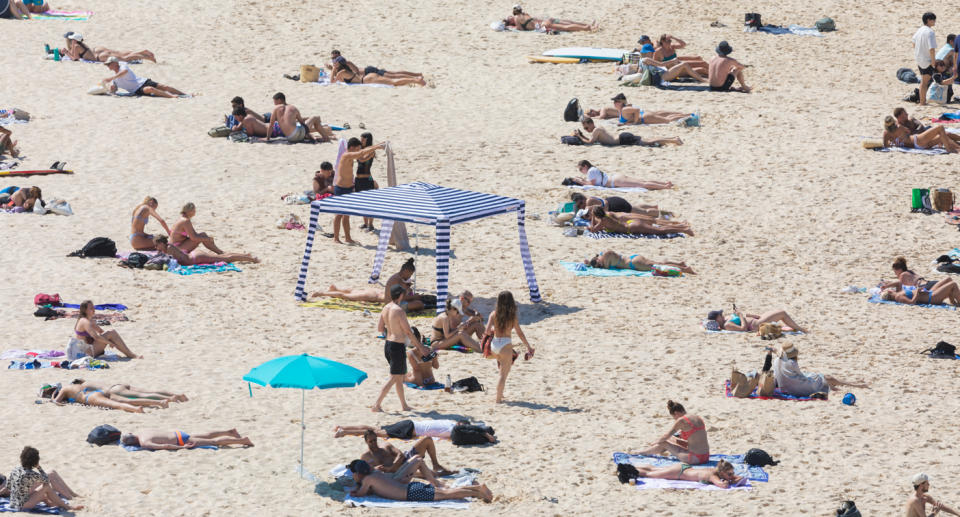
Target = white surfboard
(598,54)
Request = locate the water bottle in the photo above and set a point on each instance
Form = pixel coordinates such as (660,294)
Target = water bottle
(449,383)
(173,265)
(56,54)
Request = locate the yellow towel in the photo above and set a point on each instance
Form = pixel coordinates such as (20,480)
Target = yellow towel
(346,305)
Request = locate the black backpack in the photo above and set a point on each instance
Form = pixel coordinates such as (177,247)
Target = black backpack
(97,247)
(752,20)
(848,509)
(135,260)
(943,350)
(758,458)
(104,435)
(572,113)
(469,434)
(626,472)
(469,384)
(570,140)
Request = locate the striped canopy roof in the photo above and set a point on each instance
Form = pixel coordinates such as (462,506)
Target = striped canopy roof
(419,202)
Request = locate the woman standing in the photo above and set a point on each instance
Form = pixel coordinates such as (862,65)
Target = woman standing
(502,323)
(363,179)
(691,447)
(139,239)
(95,338)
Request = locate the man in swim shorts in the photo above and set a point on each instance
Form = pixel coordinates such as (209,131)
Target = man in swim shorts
(723,71)
(917,504)
(175,440)
(394,323)
(391,460)
(125,79)
(343,181)
(382,485)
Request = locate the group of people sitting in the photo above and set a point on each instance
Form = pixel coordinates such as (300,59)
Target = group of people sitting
(522,21)
(344,71)
(912,289)
(23,9)
(661,63)
(285,121)
(902,130)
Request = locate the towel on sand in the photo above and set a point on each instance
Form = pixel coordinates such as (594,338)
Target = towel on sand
(434,386)
(739,467)
(324,80)
(608,235)
(200,269)
(617,189)
(876,299)
(101,307)
(462,478)
(54,14)
(711,331)
(791,29)
(911,150)
(40,508)
(777,394)
(135,448)
(581,269)
(340,304)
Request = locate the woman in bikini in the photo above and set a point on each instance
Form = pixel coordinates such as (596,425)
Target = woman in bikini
(946,290)
(692,446)
(603,221)
(183,235)
(666,53)
(503,322)
(896,135)
(94,338)
(363,178)
(613,260)
(126,391)
(598,178)
(139,239)
(906,278)
(631,115)
(449,328)
(25,198)
(78,50)
(741,322)
(524,22)
(199,257)
(77,393)
(343,74)
(722,475)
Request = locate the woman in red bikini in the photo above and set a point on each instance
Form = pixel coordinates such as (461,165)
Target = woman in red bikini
(692,446)
(184,237)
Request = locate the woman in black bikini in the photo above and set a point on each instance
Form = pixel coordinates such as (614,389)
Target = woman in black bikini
(363,178)
(449,328)
(76,392)
(78,50)
(95,339)
(615,204)
(343,74)
(524,22)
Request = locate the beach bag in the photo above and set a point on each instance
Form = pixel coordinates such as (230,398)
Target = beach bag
(58,206)
(825,25)
(570,140)
(848,509)
(97,247)
(937,93)
(219,132)
(758,458)
(239,136)
(943,350)
(470,434)
(135,260)
(908,76)
(943,200)
(572,112)
(770,331)
(767,384)
(77,349)
(740,385)
(752,20)
(104,435)
(157,262)
(626,472)
(47,299)
(470,384)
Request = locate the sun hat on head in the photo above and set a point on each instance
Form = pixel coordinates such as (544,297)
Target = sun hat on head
(75,36)
(457,304)
(647,48)
(724,48)
(112,59)
(67,34)
(919,479)
(789,350)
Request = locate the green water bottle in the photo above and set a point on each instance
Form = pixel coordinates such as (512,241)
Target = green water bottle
(56,54)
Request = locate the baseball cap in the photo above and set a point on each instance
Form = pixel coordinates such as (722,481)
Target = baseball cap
(112,59)
(646,48)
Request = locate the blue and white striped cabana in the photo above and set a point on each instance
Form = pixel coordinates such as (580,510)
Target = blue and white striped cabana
(420,203)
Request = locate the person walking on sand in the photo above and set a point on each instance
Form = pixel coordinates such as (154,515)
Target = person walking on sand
(343,181)
(917,504)
(925,52)
(723,71)
(393,322)
(502,323)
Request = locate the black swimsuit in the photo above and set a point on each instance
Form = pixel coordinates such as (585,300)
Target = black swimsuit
(86,50)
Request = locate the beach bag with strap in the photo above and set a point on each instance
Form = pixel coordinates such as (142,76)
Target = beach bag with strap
(848,509)
(943,200)
(767,384)
(570,140)
(758,458)
(825,25)
(937,93)
(47,299)
(99,247)
(468,385)
(572,112)
(135,260)
(470,434)
(104,435)
(219,132)
(752,20)
(916,197)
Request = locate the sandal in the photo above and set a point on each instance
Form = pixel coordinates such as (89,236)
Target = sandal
(529,355)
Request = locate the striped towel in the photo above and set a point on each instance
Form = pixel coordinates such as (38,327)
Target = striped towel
(608,235)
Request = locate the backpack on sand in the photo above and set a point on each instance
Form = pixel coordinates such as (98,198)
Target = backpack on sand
(572,112)
(97,247)
(758,458)
(104,435)
(752,20)
(470,434)
(943,350)
(825,25)
(469,384)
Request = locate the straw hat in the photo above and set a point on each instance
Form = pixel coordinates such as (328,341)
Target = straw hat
(788,350)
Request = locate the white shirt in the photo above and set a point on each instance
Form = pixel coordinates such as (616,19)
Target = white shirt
(128,81)
(599,178)
(790,379)
(944,50)
(433,428)
(924,40)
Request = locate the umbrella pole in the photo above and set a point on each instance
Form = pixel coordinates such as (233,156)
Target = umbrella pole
(303,427)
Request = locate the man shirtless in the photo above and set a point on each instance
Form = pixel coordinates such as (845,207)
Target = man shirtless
(175,440)
(391,460)
(393,321)
(385,486)
(7,143)
(288,123)
(598,135)
(343,181)
(323,180)
(911,123)
(724,70)
(917,504)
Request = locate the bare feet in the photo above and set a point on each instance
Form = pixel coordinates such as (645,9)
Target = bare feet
(338,432)
(487,494)
(407,408)
(348,240)
(247,442)
(376,409)
(164,404)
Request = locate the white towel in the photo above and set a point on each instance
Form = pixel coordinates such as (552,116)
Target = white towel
(399,236)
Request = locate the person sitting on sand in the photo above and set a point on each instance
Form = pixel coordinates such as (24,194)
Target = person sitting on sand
(391,460)
(612,260)
(410,429)
(185,237)
(614,204)
(387,487)
(95,340)
(127,392)
(895,135)
(741,322)
(946,290)
(666,53)
(450,328)
(603,221)
(917,504)
(199,257)
(28,485)
(524,22)
(725,70)
(56,482)
(323,181)
(7,144)
(176,440)
(88,396)
(421,370)
(78,50)
(721,476)
(912,124)
(691,447)
(25,198)
(410,301)
(287,122)
(665,71)
(237,105)
(599,135)
(371,75)
(20,9)
(598,178)
(792,381)
(125,79)
(139,239)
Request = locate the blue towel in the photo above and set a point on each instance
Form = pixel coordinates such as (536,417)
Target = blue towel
(876,299)
(134,448)
(740,468)
(608,235)
(205,268)
(101,307)
(950,116)
(434,386)
(41,508)
(791,29)
(581,269)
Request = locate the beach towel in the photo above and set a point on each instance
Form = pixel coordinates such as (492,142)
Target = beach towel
(794,29)
(581,269)
(40,508)
(947,118)
(671,484)
(200,269)
(101,307)
(135,448)
(54,14)
(608,235)
(462,478)
(911,150)
(398,235)
(31,354)
(67,58)
(340,304)
(101,318)
(679,87)
(7,118)
(876,299)
(324,80)
(428,387)
(740,468)
(711,331)
(777,394)
(617,189)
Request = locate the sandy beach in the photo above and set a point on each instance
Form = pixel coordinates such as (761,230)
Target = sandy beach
(787,208)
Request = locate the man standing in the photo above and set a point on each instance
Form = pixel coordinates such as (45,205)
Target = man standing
(924,50)
(916,505)
(343,182)
(393,322)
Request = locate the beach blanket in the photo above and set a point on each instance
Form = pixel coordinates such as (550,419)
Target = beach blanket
(611,189)
(911,150)
(672,484)
(7,118)
(739,467)
(794,29)
(101,318)
(777,394)
(40,508)
(200,269)
(679,87)
(135,448)
(462,478)
(54,14)
(608,235)
(85,362)
(346,305)
(711,331)
(31,354)
(581,269)
(876,299)
(324,80)
(101,307)
(67,58)
(428,387)
(947,118)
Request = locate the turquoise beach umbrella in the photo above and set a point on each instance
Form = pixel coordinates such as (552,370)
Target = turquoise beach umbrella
(305,372)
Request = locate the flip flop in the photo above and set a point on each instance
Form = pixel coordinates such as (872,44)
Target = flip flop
(529,355)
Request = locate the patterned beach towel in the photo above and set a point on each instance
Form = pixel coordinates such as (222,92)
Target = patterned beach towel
(63,15)
(581,269)
(740,468)
(205,268)
(876,299)
(777,394)
(608,235)
(340,304)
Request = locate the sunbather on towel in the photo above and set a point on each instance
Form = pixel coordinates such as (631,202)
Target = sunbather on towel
(628,114)
(906,277)
(28,485)
(524,22)
(95,339)
(792,381)
(125,79)
(614,204)
(722,475)
(88,396)
(184,237)
(598,178)
(895,135)
(612,260)
(391,460)
(691,447)
(76,49)
(725,70)
(199,257)
(450,328)
(20,9)
(598,135)
(139,239)
(342,73)
(125,392)
(601,220)
(25,198)
(668,71)
(741,322)
(946,290)
(387,487)
(917,504)
(410,301)
(666,52)
(7,144)
(410,429)
(175,440)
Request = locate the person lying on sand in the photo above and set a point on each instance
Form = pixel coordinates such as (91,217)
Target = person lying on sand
(95,340)
(237,105)
(387,487)
(411,302)
(722,475)
(615,204)
(601,220)
(342,73)
(199,257)
(725,70)
(175,440)
(124,392)
(25,198)
(7,144)
(906,277)
(410,429)
(598,178)
(125,79)
(917,504)
(791,380)
(896,135)
(336,58)
(139,239)
(613,260)
(28,485)
(524,22)
(944,291)
(451,328)
(77,50)
(89,396)
(691,447)
(599,135)
(630,115)
(390,460)
(741,322)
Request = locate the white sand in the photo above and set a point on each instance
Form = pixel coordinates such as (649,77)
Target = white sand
(788,210)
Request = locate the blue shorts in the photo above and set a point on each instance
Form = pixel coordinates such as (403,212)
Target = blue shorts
(340,191)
